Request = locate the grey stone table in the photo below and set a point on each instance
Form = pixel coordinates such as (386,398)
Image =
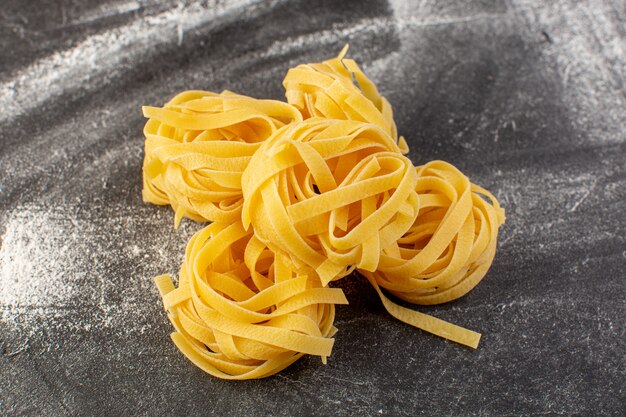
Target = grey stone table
(525,97)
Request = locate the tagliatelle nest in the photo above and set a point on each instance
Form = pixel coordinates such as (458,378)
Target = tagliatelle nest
(197,147)
(338,89)
(242,311)
(451,245)
(330,193)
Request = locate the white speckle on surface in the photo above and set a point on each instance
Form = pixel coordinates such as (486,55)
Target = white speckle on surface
(590,59)
(52,265)
(33,236)
(101,56)
(102,12)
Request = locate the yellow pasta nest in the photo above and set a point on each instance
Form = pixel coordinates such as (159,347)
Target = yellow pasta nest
(445,253)
(242,311)
(330,193)
(452,243)
(301,194)
(338,89)
(197,147)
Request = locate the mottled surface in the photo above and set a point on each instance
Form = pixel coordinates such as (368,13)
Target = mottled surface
(526,97)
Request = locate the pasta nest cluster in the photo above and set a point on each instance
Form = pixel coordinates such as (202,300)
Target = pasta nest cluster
(300,194)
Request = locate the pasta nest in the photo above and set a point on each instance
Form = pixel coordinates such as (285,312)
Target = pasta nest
(451,245)
(338,89)
(243,311)
(331,194)
(198,145)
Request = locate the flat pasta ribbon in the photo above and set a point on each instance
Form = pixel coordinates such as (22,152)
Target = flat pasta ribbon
(242,311)
(197,147)
(331,194)
(445,253)
(338,89)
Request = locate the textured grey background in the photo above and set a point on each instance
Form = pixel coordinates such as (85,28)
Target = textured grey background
(526,97)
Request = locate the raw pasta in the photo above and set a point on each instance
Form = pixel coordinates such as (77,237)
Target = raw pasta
(330,193)
(242,311)
(445,253)
(338,89)
(197,147)
(452,243)
(301,194)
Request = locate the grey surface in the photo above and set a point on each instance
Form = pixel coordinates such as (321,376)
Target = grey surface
(526,97)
